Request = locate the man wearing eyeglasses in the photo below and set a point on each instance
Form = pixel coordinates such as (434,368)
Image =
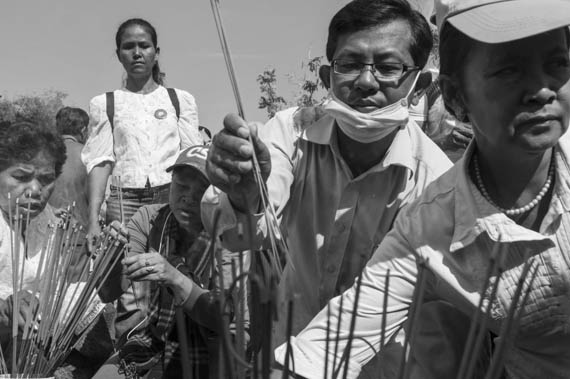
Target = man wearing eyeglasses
(337,173)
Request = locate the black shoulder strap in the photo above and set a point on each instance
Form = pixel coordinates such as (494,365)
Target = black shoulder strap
(111,104)
(174,100)
(111,107)
(206,131)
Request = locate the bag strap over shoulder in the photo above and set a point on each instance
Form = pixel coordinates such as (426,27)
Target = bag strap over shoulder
(110,107)
(174,100)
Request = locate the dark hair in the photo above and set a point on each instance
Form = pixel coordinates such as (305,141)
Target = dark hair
(22,141)
(454,47)
(157,75)
(366,14)
(71,121)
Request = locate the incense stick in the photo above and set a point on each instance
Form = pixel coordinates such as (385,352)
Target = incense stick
(48,342)
(469,351)
(288,333)
(328,340)
(352,325)
(337,337)
(510,321)
(413,316)
(15,285)
(278,244)
(384,310)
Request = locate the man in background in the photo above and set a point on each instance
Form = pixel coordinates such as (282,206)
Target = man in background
(71,186)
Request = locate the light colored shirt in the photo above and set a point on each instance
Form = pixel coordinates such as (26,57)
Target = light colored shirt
(38,235)
(9,241)
(332,221)
(456,229)
(146,137)
(71,185)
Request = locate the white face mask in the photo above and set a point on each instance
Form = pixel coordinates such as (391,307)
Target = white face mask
(369,127)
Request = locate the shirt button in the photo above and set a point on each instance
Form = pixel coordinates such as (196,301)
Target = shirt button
(331,269)
(341,228)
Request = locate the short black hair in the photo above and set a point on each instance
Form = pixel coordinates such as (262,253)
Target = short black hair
(22,141)
(366,14)
(71,121)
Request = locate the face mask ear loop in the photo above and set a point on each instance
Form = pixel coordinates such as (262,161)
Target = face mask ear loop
(405,100)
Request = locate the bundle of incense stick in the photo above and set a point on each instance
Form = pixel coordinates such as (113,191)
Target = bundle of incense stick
(338,368)
(279,247)
(61,302)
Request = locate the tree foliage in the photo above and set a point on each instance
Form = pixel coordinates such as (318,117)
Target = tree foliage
(40,108)
(269,99)
(310,84)
(310,89)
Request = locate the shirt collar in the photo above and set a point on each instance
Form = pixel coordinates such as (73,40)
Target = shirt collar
(69,137)
(562,182)
(322,131)
(475,215)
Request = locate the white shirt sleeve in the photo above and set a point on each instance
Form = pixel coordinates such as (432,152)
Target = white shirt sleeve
(188,121)
(99,145)
(309,348)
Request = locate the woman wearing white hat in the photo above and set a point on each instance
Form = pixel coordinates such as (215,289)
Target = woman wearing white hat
(505,68)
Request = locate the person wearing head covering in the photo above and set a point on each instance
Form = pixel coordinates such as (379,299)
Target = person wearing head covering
(502,211)
(168,270)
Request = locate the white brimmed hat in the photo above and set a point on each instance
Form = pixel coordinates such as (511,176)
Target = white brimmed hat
(497,21)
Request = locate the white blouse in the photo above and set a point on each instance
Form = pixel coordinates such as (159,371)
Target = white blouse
(146,137)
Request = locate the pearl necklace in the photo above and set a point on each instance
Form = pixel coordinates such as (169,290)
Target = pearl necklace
(514,211)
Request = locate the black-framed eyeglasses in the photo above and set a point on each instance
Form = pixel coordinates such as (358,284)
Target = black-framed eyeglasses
(381,71)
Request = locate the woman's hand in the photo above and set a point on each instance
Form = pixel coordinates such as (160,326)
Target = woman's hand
(461,135)
(151,267)
(93,235)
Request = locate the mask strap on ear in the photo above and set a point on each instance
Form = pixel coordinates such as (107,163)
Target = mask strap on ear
(411,90)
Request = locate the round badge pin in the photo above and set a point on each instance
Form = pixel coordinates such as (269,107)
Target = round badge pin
(160,114)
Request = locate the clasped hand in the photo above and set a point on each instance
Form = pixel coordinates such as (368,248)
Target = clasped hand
(151,267)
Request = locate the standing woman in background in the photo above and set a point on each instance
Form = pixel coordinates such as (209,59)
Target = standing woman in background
(136,132)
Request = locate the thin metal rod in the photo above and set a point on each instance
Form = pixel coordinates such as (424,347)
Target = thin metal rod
(227,55)
(384,310)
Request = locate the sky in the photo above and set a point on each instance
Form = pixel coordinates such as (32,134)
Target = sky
(68,45)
